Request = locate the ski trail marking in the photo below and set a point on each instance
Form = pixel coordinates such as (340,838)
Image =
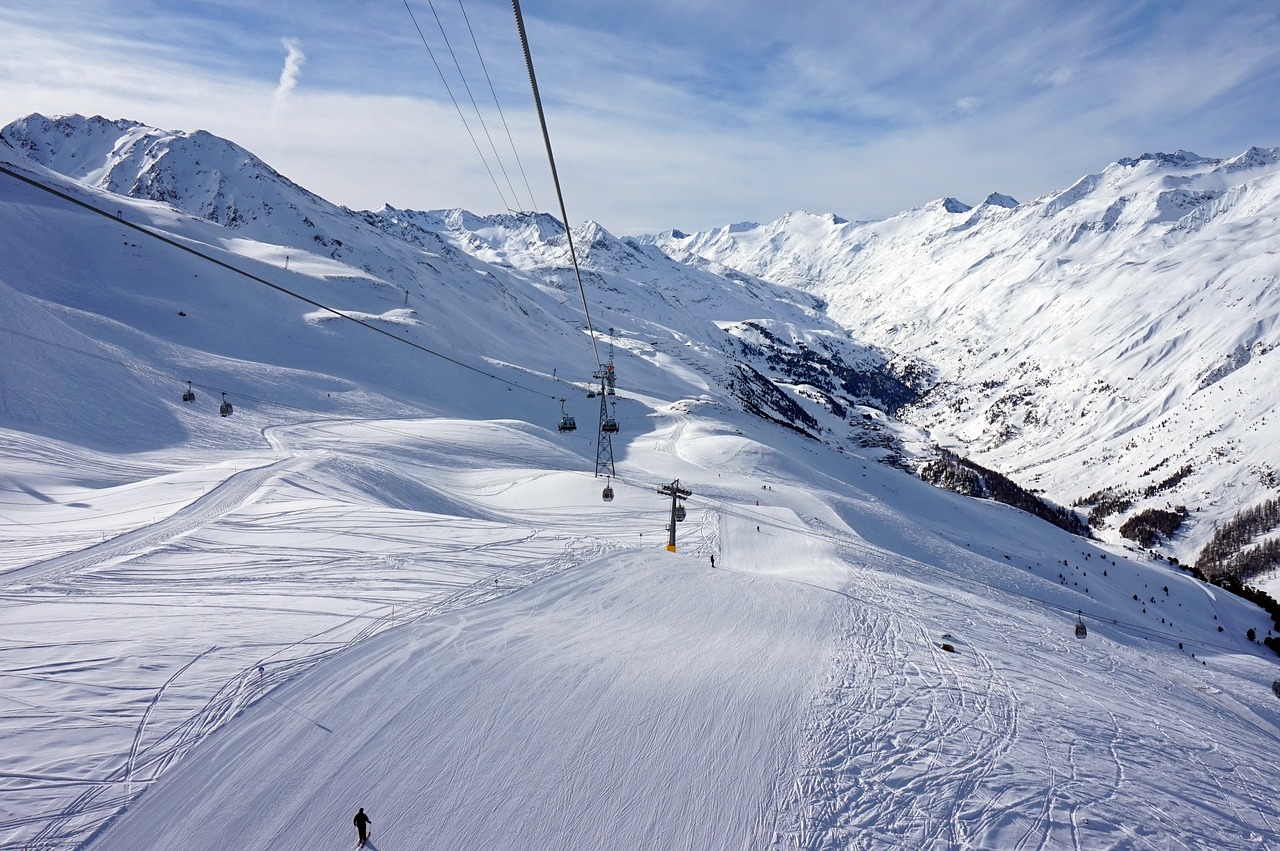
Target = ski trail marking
(222,500)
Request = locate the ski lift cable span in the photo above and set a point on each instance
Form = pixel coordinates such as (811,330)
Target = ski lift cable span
(173,243)
(532,201)
(458,106)
(555,177)
(167,377)
(188,395)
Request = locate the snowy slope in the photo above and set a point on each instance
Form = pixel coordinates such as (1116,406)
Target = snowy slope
(1103,336)
(387,581)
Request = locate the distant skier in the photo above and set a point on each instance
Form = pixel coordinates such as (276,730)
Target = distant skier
(713,561)
(361,821)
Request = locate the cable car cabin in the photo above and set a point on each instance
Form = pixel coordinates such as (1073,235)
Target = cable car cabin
(612,392)
(609,426)
(189,395)
(607,493)
(225,408)
(591,394)
(567,423)
(1081,630)
(680,513)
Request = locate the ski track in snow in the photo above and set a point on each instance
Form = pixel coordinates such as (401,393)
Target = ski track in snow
(897,743)
(105,796)
(223,499)
(61,809)
(1023,739)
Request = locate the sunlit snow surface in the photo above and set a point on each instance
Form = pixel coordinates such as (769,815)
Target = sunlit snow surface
(386,581)
(525,666)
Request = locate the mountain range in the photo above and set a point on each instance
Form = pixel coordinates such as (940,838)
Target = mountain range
(390,538)
(1088,344)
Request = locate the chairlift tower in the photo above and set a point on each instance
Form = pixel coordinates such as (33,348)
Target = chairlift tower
(677,494)
(604,440)
(609,376)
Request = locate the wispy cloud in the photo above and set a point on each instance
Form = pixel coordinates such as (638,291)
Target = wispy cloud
(674,113)
(293,62)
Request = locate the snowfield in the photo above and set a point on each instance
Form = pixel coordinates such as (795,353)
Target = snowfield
(387,581)
(499,659)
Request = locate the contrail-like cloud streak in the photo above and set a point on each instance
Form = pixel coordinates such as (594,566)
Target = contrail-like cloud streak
(293,63)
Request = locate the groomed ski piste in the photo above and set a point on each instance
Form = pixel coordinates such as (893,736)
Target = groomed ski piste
(386,582)
(440,621)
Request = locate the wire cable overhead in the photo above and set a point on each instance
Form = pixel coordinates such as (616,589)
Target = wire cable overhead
(498,106)
(458,106)
(555,177)
(259,279)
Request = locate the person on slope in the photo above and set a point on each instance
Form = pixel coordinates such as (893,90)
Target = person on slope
(361,821)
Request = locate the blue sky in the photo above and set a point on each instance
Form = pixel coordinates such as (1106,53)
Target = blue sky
(666,114)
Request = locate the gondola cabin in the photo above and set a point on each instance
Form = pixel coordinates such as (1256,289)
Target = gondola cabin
(680,514)
(189,395)
(567,423)
(607,493)
(225,408)
(609,426)
(1081,630)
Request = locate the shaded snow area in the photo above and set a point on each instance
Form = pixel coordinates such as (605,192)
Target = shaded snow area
(1101,338)
(388,581)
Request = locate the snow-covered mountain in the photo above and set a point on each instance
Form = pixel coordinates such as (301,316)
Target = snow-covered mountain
(387,580)
(1097,340)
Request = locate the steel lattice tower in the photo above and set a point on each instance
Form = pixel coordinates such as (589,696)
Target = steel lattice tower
(604,442)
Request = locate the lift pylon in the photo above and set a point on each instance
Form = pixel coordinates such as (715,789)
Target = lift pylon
(604,441)
(677,493)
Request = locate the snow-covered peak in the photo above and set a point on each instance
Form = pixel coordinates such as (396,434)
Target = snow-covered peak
(995,199)
(1177,159)
(952,205)
(196,172)
(79,147)
(1252,158)
(1079,336)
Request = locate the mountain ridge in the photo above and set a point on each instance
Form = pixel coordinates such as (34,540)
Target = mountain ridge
(981,309)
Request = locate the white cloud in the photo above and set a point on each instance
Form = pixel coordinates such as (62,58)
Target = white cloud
(680,125)
(1058,76)
(293,63)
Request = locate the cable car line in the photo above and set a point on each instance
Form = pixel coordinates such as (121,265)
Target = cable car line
(258,279)
(456,105)
(475,106)
(533,202)
(479,115)
(555,176)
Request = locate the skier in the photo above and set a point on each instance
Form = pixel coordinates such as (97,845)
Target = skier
(361,821)
(713,561)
